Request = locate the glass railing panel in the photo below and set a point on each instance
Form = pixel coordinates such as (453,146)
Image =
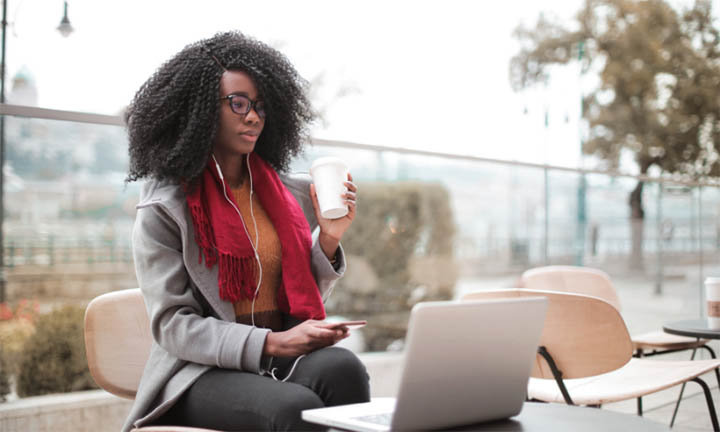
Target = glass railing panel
(566,218)
(709,239)
(710,230)
(495,218)
(654,262)
(498,208)
(68,214)
(442,226)
(608,224)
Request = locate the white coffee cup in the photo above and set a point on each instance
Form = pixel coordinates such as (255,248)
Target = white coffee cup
(712,297)
(329,175)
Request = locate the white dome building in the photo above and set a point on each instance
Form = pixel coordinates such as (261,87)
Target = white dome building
(23,89)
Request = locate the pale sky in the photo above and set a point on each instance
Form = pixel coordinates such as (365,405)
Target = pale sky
(424,75)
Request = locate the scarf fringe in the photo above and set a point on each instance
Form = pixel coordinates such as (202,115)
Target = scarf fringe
(204,235)
(236,277)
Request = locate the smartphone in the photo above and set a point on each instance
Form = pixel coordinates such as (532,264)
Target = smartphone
(351,325)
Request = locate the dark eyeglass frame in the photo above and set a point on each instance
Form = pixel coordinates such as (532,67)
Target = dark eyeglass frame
(252,105)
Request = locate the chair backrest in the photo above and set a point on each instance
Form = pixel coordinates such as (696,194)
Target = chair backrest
(117,341)
(585,335)
(580,280)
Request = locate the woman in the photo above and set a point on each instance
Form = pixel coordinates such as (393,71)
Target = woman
(232,280)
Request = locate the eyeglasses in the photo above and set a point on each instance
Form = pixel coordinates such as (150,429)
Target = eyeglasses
(241,105)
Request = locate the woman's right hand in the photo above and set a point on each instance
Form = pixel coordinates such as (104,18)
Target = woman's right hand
(303,338)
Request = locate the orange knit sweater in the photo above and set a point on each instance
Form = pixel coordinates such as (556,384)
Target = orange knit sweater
(266,314)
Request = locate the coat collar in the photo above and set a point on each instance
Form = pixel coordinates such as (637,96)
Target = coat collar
(170,199)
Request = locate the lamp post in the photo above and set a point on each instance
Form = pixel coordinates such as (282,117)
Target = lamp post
(3,279)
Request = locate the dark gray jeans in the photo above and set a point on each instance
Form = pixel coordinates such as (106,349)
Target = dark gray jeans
(230,400)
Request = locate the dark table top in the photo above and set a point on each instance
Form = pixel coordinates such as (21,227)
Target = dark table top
(542,417)
(697,328)
(561,418)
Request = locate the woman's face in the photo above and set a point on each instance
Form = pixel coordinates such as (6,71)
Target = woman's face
(238,132)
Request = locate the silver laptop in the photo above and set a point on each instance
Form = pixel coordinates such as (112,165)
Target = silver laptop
(465,363)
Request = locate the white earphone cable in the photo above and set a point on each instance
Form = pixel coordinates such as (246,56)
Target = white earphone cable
(257,257)
(257,236)
(257,242)
(274,369)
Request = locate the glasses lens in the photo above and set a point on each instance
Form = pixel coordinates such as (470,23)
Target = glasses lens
(240,104)
(260,108)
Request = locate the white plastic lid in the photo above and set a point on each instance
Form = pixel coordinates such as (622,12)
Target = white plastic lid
(328,160)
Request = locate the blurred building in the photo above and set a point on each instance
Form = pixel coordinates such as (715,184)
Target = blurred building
(23,90)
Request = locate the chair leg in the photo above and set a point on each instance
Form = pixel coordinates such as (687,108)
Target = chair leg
(712,354)
(682,390)
(710,350)
(557,374)
(711,406)
(639,354)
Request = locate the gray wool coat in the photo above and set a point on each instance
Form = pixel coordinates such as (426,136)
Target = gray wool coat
(193,329)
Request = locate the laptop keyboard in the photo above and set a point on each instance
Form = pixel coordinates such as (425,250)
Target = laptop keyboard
(382,419)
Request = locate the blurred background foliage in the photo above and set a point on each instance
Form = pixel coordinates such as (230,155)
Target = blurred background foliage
(657,98)
(52,359)
(400,252)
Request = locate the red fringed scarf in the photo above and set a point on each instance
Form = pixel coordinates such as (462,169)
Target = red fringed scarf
(222,239)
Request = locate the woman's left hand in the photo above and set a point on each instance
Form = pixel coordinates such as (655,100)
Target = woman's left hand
(332,230)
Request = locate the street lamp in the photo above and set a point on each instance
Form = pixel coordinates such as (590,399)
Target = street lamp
(65,28)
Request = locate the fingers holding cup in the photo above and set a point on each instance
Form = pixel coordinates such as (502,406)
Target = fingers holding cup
(330,178)
(350,195)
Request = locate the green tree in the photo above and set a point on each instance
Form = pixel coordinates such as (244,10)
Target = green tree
(659,75)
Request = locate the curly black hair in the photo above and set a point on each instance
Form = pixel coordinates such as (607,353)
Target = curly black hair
(173,119)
